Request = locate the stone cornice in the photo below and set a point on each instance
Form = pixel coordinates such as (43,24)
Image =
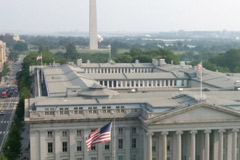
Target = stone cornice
(189,108)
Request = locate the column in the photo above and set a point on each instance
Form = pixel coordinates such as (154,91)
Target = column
(220,157)
(100,148)
(123,84)
(85,152)
(229,144)
(58,144)
(202,145)
(145,151)
(193,145)
(216,145)
(149,146)
(42,145)
(112,84)
(117,83)
(141,145)
(143,82)
(139,83)
(164,142)
(72,144)
(234,143)
(127,144)
(207,147)
(179,145)
(34,143)
(155,83)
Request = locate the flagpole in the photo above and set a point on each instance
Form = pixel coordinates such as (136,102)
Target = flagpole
(110,54)
(114,145)
(41,60)
(41,69)
(201,82)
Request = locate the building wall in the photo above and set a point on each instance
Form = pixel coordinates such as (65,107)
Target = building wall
(73,133)
(2,54)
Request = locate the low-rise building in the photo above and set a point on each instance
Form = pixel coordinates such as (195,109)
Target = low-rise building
(156,107)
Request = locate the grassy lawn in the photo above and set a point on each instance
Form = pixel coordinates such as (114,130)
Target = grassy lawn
(121,51)
(93,51)
(182,52)
(179,52)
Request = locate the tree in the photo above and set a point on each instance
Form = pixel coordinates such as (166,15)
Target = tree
(71,52)
(42,48)
(20,46)
(123,58)
(3,157)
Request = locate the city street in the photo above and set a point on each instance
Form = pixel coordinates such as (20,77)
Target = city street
(8,108)
(8,105)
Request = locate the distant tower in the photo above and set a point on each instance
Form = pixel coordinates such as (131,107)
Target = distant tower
(93,39)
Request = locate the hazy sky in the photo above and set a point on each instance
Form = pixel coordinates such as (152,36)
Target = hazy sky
(119,15)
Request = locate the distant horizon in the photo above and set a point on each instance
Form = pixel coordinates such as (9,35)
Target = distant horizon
(110,32)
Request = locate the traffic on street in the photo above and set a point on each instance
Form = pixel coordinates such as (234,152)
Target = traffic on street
(8,100)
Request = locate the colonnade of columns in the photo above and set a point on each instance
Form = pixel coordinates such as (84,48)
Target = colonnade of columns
(119,70)
(143,83)
(226,149)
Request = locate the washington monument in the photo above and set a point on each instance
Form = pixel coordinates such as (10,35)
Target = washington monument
(93,39)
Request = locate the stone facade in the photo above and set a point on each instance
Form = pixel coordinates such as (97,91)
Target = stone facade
(201,131)
(151,123)
(2,54)
(93,39)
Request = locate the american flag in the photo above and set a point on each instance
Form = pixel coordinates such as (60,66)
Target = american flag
(199,66)
(39,58)
(99,136)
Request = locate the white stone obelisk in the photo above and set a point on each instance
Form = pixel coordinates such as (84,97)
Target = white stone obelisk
(93,40)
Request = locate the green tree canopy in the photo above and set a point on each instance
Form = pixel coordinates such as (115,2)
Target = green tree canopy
(20,46)
(71,52)
(226,62)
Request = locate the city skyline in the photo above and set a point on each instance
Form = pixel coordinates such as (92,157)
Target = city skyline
(126,16)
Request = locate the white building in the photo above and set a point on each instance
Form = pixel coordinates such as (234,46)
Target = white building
(156,107)
(3,58)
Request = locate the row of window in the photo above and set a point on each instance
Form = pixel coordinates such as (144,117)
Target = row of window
(91,110)
(120,131)
(119,157)
(64,133)
(64,146)
(79,145)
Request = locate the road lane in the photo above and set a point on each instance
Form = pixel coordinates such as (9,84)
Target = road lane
(8,105)
(9,108)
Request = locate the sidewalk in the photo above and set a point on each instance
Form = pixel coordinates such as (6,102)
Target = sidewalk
(25,152)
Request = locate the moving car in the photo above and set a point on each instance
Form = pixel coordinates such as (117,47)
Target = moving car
(4,94)
(1,112)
